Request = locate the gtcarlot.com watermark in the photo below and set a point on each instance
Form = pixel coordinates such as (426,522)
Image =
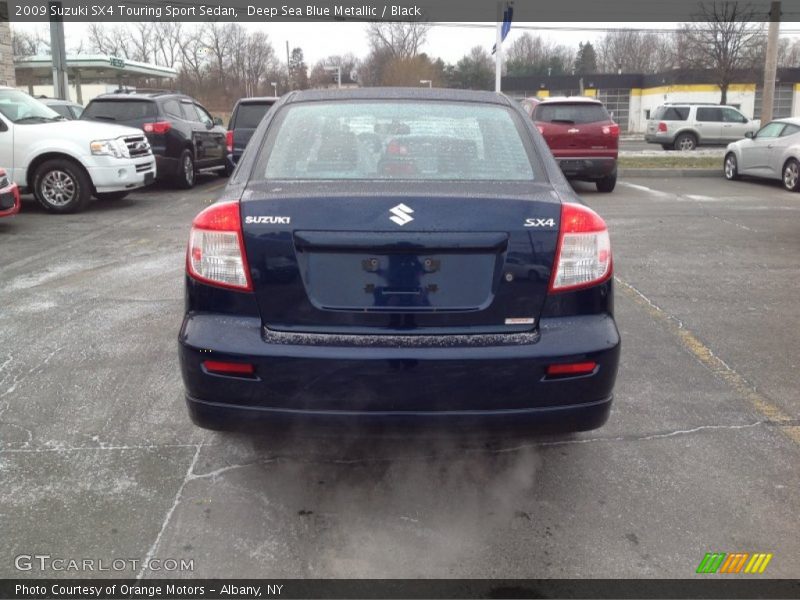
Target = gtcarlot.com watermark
(46,562)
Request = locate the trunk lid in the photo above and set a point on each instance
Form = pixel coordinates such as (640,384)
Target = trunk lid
(428,259)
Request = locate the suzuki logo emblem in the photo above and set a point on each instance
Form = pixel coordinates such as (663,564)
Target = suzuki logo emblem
(401,214)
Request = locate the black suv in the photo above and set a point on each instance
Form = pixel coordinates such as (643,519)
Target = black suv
(246,116)
(183,135)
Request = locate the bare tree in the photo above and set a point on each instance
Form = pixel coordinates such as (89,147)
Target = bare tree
(789,53)
(25,43)
(532,55)
(193,57)
(628,51)
(399,39)
(167,42)
(114,41)
(724,39)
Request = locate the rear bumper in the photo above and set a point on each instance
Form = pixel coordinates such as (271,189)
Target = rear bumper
(587,167)
(466,380)
(659,138)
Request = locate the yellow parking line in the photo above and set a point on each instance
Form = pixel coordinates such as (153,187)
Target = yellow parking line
(712,362)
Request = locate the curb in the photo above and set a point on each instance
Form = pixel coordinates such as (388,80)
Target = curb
(673,172)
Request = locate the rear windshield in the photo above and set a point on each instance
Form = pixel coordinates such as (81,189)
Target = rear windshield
(120,110)
(395,140)
(249,115)
(671,113)
(565,112)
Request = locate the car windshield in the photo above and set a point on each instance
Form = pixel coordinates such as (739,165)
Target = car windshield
(575,112)
(119,110)
(249,114)
(19,107)
(416,140)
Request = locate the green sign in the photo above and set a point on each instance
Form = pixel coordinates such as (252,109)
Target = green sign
(118,63)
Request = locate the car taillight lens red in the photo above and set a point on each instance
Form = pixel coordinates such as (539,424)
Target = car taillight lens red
(216,248)
(159,127)
(581,368)
(612,130)
(228,368)
(583,256)
(229,141)
(662,127)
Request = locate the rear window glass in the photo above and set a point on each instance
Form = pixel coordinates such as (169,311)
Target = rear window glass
(249,115)
(395,140)
(564,112)
(672,113)
(120,110)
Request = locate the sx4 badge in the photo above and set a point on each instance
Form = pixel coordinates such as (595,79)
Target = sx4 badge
(540,223)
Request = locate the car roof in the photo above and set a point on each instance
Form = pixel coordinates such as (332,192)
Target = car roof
(789,120)
(57,101)
(571,99)
(142,95)
(400,93)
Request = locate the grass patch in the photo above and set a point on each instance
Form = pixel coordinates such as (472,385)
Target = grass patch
(670,161)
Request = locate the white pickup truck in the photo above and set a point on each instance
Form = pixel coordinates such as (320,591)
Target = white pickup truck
(65,163)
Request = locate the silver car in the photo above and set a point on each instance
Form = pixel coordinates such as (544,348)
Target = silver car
(684,126)
(772,152)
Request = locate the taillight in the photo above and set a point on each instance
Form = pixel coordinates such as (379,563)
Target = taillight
(216,248)
(612,130)
(662,127)
(229,141)
(159,127)
(583,256)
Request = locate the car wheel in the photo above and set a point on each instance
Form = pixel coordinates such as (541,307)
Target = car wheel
(227,171)
(607,184)
(112,195)
(791,175)
(61,186)
(731,167)
(186,173)
(685,142)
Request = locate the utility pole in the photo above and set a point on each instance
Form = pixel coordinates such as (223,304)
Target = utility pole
(59,54)
(771,65)
(498,49)
(288,65)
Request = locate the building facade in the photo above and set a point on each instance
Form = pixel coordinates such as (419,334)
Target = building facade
(632,98)
(6,54)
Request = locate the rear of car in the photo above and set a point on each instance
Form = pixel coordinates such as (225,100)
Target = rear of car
(399,256)
(246,116)
(9,196)
(582,137)
(68,110)
(666,123)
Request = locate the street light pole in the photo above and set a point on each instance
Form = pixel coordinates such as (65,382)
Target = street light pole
(771,64)
(274,87)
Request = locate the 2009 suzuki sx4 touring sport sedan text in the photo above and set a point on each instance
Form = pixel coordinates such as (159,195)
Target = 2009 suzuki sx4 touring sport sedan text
(399,256)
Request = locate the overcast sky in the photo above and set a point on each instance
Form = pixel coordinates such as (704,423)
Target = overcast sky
(322,39)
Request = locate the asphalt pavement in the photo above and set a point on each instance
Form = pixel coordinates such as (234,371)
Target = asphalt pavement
(98,459)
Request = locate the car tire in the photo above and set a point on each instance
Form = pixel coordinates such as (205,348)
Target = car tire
(112,195)
(227,171)
(685,142)
(607,184)
(186,175)
(791,175)
(62,186)
(731,167)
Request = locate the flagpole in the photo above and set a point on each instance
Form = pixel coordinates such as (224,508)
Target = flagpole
(498,53)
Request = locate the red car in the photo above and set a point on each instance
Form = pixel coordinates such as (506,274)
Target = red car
(582,137)
(9,196)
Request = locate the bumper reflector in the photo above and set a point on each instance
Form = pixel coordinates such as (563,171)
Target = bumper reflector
(581,368)
(228,368)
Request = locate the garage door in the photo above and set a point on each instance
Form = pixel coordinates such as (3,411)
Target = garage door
(782,107)
(617,101)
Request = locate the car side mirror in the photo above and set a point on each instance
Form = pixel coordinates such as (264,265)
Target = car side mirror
(749,134)
(218,121)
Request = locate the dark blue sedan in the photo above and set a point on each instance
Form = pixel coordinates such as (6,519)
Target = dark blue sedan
(404,256)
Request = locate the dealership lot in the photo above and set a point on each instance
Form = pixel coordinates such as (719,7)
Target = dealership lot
(99,460)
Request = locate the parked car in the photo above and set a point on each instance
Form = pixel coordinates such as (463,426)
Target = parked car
(184,136)
(68,110)
(583,138)
(393,270)
(528,104)
(246,116)
(65,162)
(686,126)
(9,195)
(773,153)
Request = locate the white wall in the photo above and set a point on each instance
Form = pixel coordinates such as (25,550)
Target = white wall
(89,91)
